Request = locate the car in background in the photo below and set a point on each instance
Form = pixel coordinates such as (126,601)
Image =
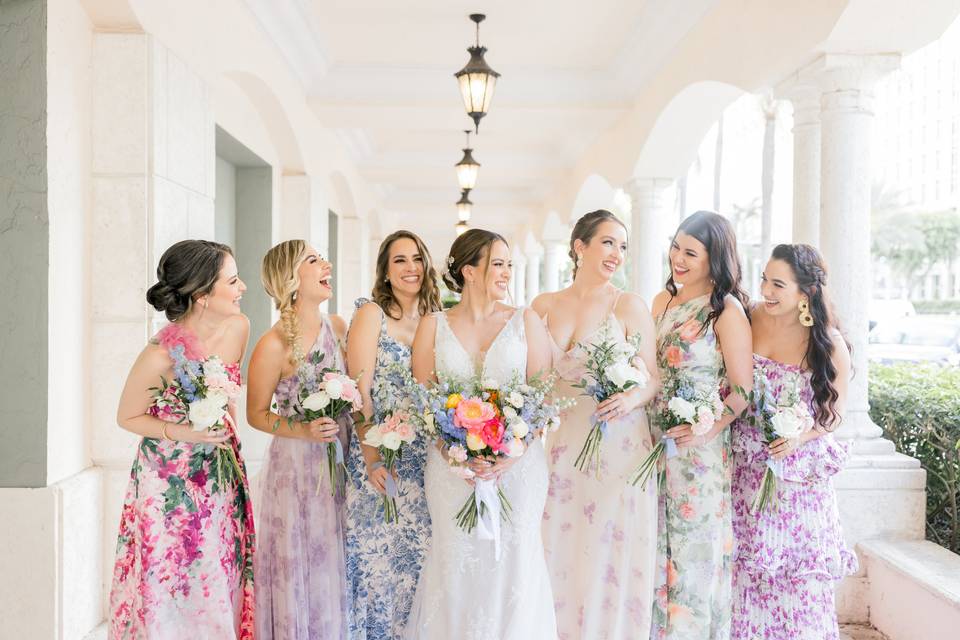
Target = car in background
(924,338)
(882,308)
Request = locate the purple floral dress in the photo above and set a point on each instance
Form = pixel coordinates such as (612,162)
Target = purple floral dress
(786,561)
(301,590)
(184,565)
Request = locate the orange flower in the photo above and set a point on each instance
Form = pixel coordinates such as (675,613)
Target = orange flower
(671,574)
(687,512)
(674,356)
(675,610)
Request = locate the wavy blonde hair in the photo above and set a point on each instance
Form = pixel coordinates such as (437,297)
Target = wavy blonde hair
(280,279)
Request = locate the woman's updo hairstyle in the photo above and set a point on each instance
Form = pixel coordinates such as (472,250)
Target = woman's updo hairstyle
(810,273)
(467,250)
(188,270)
(586,227)
(280,278)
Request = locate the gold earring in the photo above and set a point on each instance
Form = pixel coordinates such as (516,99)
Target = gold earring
(805,318)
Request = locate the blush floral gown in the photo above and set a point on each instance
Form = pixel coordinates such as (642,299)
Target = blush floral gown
(599,533)
(301,593)
(695,536)
(184,564)
(787,561)
(384,560)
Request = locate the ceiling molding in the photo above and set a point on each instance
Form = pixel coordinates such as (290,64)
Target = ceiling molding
(291,26)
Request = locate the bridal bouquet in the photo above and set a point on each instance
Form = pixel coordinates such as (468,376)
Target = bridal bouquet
(199,393)
(788,420)
(611,367)
(331,395)
(689,404)
(481,419)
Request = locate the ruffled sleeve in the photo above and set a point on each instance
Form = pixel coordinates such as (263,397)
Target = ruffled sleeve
(817,459)
(174,335)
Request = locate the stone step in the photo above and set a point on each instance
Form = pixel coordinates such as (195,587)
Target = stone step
(859,632)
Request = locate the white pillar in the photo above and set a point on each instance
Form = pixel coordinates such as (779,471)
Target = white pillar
(652,201)
(553,255)
(519,277)
(805,97)
(534,257)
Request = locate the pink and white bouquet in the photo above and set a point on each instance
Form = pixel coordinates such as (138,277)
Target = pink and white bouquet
(389,437)
(336,395)
(789,420)
(611,367)
(200,393)
(700,407)
(481,419)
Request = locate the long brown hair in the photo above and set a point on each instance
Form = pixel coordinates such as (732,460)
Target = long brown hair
(382,294)
(586,227)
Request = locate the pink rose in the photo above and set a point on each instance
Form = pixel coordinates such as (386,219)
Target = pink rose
(473,413)
(406,432)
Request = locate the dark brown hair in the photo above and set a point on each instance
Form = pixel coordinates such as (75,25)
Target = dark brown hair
(586,227)
(715,233)
(811,275)
(467,250)
(187,270)
(382,294)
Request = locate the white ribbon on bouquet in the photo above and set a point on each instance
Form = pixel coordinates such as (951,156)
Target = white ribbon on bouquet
(487,495)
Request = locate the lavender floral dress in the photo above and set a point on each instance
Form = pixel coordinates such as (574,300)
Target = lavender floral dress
(384,560)
(184,566)
(786,561)
(695,536)
(301,594)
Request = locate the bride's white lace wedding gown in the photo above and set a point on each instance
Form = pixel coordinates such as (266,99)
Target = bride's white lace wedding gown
(464,591)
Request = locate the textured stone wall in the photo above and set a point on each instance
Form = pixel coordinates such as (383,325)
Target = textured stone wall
(24,243)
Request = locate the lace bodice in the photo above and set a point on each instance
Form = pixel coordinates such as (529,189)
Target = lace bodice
(505,359)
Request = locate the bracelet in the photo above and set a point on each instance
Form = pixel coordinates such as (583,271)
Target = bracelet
(163,431)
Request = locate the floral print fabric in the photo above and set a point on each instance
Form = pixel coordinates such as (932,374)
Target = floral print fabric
(599,534)
(184,564)
(787,560)
(384,560)
(695,538)
(301,593)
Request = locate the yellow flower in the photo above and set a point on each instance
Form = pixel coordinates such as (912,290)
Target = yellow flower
(453,400)
(474,441)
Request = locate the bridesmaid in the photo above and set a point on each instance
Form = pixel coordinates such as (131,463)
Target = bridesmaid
(301,592)
(787,560)
(599,533)
(184,566)
(703,337)
(383,560)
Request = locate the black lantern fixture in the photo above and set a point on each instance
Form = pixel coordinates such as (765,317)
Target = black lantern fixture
(462,227)
(467,169)
(477,80)
(464,206)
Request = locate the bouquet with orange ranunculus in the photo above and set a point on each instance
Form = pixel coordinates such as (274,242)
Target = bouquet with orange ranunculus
(482,419)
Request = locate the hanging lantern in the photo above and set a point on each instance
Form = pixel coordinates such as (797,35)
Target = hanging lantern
(462,227)
(464,206)
(467,169)
(477,80)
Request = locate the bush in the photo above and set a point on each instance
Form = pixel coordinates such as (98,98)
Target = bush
(937,306)
(918,408)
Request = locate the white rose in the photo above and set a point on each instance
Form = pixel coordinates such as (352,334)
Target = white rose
(682,409)
(515,399)
(316,401)
(334,388)
(392,440)
(509,412)
(520,429)
(787,424)
(490,384)
(207,412)
(429,426)
(516,448)
(214,368)
(525,388)
(621,373)
(373,438)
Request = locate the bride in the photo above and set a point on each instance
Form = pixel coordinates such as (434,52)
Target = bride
(464,591)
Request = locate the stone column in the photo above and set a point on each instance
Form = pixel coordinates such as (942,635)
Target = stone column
(806,159)
(652,201)
(519,277)
(880,492)
(553,255)
(534,257)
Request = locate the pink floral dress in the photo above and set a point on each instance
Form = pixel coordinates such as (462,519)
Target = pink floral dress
(695,535)
(786,561)
(184,565)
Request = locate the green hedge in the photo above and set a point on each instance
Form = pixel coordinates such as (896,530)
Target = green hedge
(937,306)
(918,407)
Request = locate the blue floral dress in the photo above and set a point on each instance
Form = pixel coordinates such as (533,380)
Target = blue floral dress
(384,560)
